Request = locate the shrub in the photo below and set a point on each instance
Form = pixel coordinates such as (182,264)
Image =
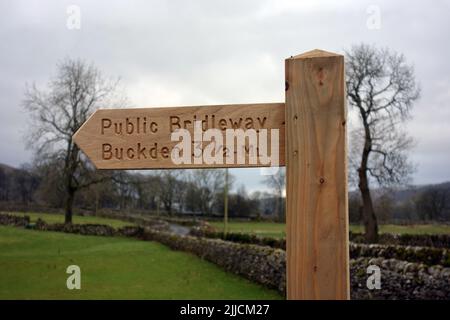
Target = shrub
(13,220)
(417,240)
(426,255)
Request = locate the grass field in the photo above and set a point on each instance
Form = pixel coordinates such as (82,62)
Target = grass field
(271,229)
(59,218)
(266,229)
(410,229)
(33,266)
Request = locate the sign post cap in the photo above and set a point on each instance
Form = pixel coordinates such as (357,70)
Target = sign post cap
(316,53)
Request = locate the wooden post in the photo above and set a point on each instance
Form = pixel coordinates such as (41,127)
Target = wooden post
(313,124)
(316,161)
(225,205)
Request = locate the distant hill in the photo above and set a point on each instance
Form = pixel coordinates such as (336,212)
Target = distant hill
(7,169)
(403,202)
(407,193)
(402,194)
(16,184)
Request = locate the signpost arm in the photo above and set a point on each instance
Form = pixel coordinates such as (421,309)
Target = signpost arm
(316,171)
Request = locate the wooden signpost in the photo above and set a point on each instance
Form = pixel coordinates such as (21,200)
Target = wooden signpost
(141,138)
(312,146)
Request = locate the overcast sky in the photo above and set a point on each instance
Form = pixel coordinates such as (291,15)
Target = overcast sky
(217,52)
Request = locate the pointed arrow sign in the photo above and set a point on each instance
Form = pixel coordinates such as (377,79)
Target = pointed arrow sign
(141,138)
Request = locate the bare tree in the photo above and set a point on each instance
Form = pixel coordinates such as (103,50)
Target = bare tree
(277,182)
(170,186)
(381,87)
(384,205)
(57,113)
(432,203)
(25,183)
(208,183)
(18,185)
(125,188)
(51,188)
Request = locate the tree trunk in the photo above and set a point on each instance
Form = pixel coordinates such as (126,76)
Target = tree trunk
(370,220)
(168,207)
(69,170)
(69,205)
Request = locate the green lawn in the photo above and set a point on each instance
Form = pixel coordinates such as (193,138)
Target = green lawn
(33,266)
(266,229)
(272,229)
(59,218)
(410,229)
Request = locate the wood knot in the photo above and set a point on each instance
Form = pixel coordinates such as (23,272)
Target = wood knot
(321,76)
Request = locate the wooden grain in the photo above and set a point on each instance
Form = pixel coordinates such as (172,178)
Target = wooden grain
(317,210)
(91,139)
